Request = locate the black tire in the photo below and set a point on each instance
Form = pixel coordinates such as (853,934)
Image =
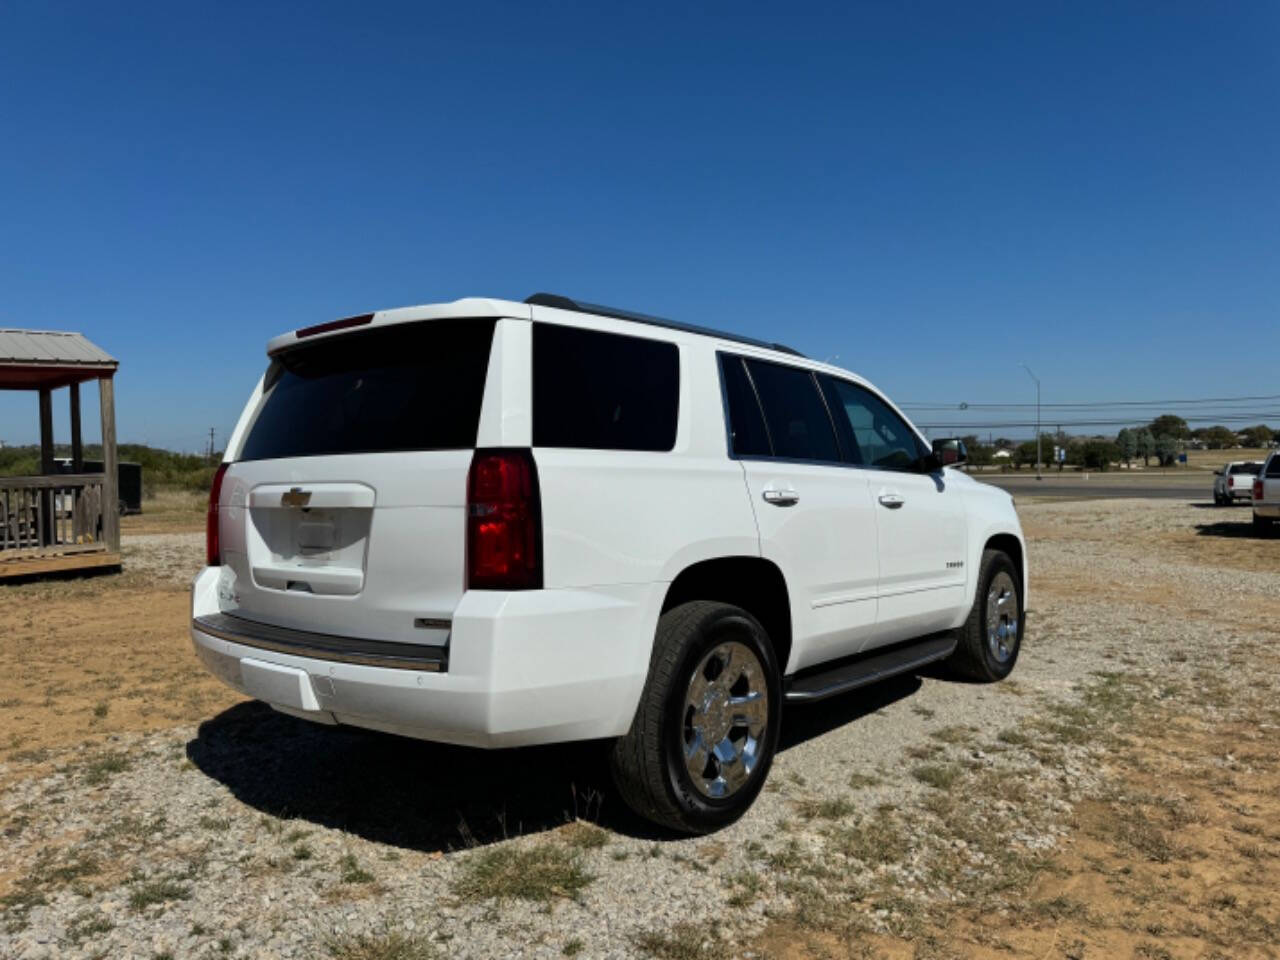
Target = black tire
(974,657)
(647,763)
(1261,526)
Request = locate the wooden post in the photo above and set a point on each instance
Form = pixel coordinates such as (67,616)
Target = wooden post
(45,507)
(46,431)
(110,479)
(77,446)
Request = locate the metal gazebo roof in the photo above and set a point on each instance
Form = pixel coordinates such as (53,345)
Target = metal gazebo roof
(33,359)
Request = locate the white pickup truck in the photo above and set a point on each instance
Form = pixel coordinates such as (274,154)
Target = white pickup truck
(1234,482)
(1266,495)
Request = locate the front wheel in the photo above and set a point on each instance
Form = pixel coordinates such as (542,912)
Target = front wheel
(991,638)
(706,729)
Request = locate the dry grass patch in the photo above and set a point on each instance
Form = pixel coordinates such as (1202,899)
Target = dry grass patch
(823,808)
(583,835)
(391,946)
(168,511)
(159,891)
(684,941)
(506,871)
(940,776)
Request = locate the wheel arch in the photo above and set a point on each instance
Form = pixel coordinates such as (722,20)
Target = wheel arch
(1012,545)
(752,583)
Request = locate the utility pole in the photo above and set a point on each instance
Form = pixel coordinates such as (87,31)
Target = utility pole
(209,454)
(1037,380)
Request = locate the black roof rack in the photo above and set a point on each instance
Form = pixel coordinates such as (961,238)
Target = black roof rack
(565,303)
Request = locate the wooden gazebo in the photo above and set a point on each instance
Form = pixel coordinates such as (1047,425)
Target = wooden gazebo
(69,521)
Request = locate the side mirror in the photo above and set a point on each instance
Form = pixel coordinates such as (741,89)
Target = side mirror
(949,452)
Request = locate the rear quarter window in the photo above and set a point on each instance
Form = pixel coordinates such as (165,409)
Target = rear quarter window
(747,434)
(603,391)
(401,387)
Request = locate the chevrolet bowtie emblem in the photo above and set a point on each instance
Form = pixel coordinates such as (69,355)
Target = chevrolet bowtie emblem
(297,497)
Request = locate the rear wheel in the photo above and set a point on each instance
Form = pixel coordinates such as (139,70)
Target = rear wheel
(991,638)
(1261,525)
(706,729)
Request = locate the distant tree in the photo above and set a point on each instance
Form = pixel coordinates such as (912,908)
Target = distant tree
(1095,454)
(980,455)
(1004,443)
(1218,438)
(1127,441)
(1170,425)
(1145,441)
(1166,449)
(1025,452)
(1259,436)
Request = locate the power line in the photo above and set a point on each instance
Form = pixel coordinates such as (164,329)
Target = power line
(1219,417)
(1087,404)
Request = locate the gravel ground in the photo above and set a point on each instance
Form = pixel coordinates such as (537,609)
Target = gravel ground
(169,557)
(255,834)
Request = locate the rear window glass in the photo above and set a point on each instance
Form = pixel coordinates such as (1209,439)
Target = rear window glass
(795,412)
(1273,467)
(1253,468)
(603,391)
(747,435)
(405,387)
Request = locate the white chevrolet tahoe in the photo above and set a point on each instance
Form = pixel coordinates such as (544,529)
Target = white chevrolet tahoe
(497,523)
(1266,495)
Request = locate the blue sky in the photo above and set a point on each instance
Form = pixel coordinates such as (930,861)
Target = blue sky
(934,192)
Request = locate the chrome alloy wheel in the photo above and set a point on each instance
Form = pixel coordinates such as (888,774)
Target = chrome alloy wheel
(726,714)
(1002,616)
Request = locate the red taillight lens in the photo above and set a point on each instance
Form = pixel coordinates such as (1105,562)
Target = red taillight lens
(212,549)
(504,522)
(1257,489)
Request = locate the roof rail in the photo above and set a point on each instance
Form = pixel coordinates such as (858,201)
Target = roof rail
(565,303)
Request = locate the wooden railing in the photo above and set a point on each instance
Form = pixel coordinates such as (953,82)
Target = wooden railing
(40,516)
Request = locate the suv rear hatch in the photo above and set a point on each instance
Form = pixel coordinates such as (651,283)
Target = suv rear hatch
(344,512)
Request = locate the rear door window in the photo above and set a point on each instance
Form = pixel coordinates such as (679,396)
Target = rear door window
(794,411)
(402,387)
(1273,467)
(603,391)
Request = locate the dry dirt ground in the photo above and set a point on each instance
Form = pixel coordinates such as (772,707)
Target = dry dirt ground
(1119,797)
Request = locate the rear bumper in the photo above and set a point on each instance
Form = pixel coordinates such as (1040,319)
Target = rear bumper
(520,668)
(1269,510)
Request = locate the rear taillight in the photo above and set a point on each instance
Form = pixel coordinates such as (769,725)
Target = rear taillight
(504,522)
(1257,489)
(212,549)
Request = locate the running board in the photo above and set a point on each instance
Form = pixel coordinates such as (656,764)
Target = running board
(829,679)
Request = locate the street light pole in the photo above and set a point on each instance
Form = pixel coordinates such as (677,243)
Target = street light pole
(1037,380)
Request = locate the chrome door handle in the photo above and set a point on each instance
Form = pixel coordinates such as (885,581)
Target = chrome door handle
(891,500)
(781,498)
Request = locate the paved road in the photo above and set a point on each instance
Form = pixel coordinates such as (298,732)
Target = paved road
(1102,488)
